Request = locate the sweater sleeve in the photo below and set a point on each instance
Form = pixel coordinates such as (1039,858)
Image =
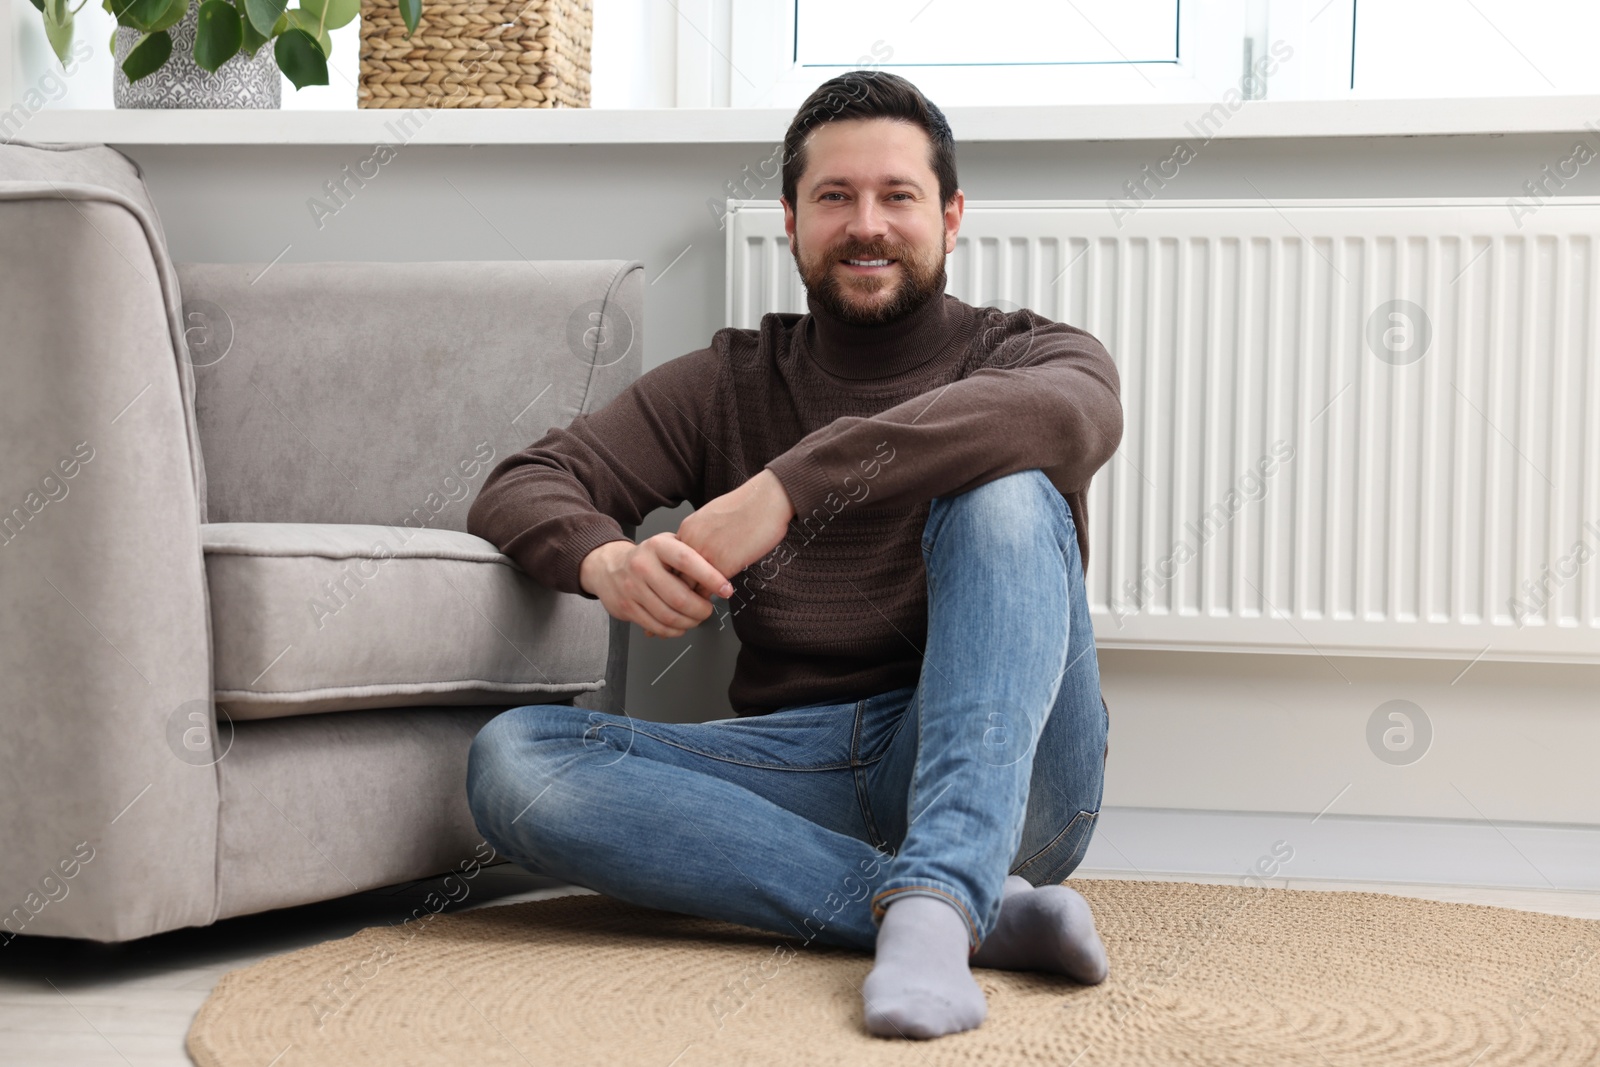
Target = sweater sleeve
(1046,397)
(551,504)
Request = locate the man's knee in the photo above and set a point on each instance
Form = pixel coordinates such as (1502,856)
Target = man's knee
(490,768)
(1018,495)
(498,744)
(1020,501)
(506,760)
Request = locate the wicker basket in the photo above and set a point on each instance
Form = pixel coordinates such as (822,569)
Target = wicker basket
(500,53)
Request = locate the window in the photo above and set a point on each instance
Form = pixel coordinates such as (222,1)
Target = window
(1163,51)
(1443,48)
(1000,52)
(938,32)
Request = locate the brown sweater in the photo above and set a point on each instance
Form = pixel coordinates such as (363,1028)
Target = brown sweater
(863,426)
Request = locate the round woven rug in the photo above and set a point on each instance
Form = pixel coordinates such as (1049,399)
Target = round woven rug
(1200,974)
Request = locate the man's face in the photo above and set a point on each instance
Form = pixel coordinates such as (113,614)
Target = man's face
(869,195)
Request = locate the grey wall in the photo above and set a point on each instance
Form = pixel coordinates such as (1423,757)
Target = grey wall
(245,203)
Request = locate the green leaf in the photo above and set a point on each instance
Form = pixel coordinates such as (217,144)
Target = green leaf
(40,4)
(112,44)
(300,58)
(410,11)
(140,14)
(301,19)
(218,34)
(59,34)
(264,14)
(173,15)
(57,11)
(253,38)
(339,12)
(147,55)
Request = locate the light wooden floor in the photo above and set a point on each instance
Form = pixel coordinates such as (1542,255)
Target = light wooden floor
(84,1004)
(68,1003)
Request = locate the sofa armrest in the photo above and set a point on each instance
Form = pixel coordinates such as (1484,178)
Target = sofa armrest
(108,807)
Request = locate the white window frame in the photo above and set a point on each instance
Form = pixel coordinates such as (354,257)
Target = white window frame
(764,72)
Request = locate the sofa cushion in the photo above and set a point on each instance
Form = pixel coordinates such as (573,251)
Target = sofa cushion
(312,617)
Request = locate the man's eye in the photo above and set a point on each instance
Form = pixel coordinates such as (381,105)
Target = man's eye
(892,196)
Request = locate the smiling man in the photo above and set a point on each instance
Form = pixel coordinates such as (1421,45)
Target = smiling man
(889,495)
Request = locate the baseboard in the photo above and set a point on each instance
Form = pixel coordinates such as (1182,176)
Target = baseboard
(1272,846)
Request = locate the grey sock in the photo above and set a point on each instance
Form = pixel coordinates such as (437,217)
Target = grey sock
(1045,929)
(920,985)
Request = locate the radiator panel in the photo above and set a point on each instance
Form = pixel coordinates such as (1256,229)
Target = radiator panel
(1306,467)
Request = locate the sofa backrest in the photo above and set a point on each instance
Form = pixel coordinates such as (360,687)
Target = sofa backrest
(383,393)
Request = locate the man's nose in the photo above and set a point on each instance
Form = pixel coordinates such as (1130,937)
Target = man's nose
(867,221)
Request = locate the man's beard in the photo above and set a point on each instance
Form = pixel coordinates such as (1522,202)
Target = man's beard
(922,276)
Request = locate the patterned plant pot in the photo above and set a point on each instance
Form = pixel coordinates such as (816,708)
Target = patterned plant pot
(242,81)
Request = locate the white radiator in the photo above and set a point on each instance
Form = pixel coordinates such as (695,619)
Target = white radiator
(1351,427)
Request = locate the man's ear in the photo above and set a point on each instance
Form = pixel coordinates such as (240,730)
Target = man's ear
(788,219)
(952,219)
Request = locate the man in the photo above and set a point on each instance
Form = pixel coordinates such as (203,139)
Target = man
(895,483)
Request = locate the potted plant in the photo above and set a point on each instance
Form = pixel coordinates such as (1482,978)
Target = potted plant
(222,30)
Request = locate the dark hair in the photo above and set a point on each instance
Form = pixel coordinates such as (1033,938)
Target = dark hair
(870,94)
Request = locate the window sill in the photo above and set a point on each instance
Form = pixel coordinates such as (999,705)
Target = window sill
(1071,122)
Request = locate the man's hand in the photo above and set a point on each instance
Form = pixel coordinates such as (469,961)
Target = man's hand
(661,583)
(739,528)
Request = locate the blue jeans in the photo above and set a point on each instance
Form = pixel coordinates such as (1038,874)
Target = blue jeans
(808,821)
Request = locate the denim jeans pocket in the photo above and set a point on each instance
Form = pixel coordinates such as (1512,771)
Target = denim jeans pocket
(1053,863)
(879,720)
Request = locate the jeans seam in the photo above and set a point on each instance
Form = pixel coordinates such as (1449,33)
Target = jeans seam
(859,776)
(874,837)
(916,763)
(729,759)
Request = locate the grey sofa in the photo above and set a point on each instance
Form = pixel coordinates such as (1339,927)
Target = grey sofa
(246,640)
